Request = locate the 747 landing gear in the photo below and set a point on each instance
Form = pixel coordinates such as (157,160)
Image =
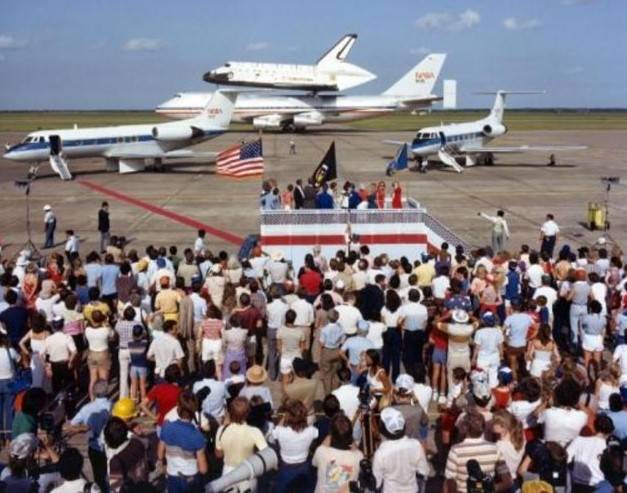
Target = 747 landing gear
(488,160)
(158,164)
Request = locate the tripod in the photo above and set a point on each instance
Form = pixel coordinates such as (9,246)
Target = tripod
(26,185)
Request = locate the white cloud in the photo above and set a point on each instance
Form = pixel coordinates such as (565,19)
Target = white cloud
(260,45)
(8,42)
(448,21)
(419,51)
(514,24)
(142,44)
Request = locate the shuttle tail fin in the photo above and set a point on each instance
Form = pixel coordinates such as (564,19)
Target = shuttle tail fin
(219,109)
(419,81)
(339,52)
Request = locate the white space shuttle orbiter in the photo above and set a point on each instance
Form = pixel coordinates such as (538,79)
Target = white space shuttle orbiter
(330,73)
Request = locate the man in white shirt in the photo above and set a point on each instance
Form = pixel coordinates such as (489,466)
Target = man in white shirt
(71,243)
(585,454)
(535,272)
(347,394)
(349,314)
(166,349)
(413,318)
(548,292)
(500,230)
(198,302)
(440,284)
(275,311)
(199,244)
(305,315)
(548,235)
(399,459)
(360,277)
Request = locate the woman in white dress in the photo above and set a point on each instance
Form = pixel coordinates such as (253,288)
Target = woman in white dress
(542,351)
(37,337)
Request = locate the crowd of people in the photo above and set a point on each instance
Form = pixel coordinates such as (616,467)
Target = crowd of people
(330,196)
(499,370)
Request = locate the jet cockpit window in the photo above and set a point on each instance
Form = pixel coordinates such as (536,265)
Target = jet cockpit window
(27,140)
(227,64)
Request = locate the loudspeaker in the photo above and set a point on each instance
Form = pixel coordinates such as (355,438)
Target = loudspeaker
(257,464)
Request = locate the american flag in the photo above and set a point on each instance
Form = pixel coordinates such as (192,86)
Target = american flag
(241,160)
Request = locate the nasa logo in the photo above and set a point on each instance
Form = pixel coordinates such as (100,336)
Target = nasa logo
(423,76)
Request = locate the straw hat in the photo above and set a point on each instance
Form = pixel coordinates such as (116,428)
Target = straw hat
(256,374)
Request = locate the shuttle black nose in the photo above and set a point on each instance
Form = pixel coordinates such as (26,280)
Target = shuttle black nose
(214,76)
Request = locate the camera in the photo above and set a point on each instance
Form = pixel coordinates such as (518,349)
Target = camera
(366,482)
(478,481)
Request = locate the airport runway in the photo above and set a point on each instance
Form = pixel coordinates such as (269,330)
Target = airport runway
(165,208)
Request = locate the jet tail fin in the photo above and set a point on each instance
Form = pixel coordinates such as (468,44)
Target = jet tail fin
(339,52)
(419,81)
(498,109)
(219,109)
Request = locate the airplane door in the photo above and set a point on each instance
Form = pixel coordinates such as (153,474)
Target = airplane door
(56,146)
(442,140)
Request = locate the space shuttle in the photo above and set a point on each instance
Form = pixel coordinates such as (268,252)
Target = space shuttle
(330,73)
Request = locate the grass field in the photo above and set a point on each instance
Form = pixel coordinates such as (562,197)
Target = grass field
(29,121)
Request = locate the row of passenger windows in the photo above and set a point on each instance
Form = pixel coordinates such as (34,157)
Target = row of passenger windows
(110,140)
(449,138)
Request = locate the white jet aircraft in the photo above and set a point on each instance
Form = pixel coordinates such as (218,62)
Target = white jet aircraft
(330,73)
(126,147)
(297,112)
(469,140)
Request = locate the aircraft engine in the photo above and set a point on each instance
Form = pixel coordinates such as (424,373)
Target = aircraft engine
(303,120)
(271,122)
(494,130)
(175,132)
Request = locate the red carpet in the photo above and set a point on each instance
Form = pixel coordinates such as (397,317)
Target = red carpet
(173,216)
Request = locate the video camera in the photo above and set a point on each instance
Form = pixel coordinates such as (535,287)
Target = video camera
(478,481)
(366,482)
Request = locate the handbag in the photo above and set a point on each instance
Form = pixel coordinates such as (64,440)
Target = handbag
(22,377)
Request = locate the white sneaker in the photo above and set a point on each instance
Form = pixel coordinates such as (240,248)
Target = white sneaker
(435,396)
(442,400)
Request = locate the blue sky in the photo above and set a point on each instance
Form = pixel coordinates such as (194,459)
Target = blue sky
(88,54)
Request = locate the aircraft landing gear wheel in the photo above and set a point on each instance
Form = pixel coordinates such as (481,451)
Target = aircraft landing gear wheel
(158,166)
(289,128)
(489,160)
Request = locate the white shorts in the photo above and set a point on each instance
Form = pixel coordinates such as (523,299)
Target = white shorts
(592,343)
(212,349)
(286,365)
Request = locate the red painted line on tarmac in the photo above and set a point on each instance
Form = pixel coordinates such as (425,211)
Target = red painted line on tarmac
(173,216)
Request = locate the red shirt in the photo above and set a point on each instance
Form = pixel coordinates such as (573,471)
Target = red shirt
(165,396)
(311,280)
(249,318)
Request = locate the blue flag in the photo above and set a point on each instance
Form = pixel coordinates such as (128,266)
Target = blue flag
(399,162)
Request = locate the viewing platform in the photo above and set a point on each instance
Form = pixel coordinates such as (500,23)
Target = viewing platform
(410,231)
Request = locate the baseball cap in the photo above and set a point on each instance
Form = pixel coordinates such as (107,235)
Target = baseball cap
(363,326)
(47,207)
(405,382)
(340,284)
(505,375)
(488,319)
(23,446)
(392,419)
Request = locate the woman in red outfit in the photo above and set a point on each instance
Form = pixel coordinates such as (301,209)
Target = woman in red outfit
(397,196)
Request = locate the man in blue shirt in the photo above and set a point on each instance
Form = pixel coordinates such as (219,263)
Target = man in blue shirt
(517,326)
(214,402)
(324,200)
(14,318)
(184,447)
(110,273)
(353,348)
(618,414)
(331,338)
(93,417)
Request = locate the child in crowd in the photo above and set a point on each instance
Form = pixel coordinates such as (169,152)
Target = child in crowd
(139,363)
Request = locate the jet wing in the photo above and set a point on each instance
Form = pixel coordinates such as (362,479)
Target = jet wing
(424,101)
(178,154)
(518,149)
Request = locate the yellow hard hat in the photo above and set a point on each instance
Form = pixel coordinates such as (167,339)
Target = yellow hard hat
(124,409)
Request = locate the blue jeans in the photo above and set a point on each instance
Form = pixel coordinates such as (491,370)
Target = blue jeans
(290,473)
(575,315)
(49,234)
(177,484)
(6,409)
(392,343)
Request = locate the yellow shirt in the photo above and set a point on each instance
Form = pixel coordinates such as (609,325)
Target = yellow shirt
(425,273)
(92,307)
(167,301)
(238,442)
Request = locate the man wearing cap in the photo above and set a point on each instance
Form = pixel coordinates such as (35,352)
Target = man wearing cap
(413,319)
(331,338)
(50,224)
(415,416)
(354,347)
(399,460)
(488,351)
(93,417)
(459,336)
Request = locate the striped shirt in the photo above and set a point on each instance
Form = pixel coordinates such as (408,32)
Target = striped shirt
(484,452)
(124,328)
(212,328)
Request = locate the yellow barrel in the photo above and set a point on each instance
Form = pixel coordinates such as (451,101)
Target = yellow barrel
(596,216)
